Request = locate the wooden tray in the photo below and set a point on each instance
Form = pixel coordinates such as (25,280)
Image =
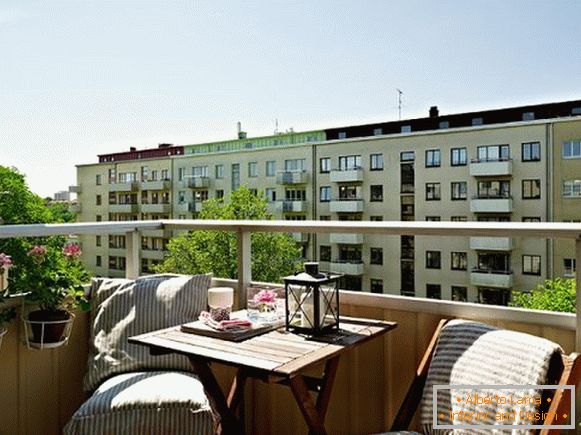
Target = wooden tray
(200,328)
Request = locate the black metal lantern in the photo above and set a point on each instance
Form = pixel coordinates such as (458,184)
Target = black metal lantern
(312,301)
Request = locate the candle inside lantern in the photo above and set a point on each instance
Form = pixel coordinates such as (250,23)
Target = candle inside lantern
(221,297)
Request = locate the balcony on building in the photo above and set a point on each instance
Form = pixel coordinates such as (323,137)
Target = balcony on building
(346,238)
(491,204)
(153,254)
(198,182)
(156,208)
(158,234)
(347,267)
(75,189)
(347,175)
(292,177)
(131,186)
(492,243)
(346,205)
(491,167)
(75,208)
(291,206)
(124,208)
(117,251)
(155,185)
(492,278)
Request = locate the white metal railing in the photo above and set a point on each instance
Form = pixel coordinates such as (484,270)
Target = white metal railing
(243,229)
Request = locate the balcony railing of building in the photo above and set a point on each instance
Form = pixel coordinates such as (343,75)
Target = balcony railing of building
(371,382)
(290,177)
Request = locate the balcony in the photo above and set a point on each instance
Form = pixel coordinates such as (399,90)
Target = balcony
(124,208)
(492,243)
(287,206)
(124,187)
(155,185)
(75,208)
(152,254)
(156,208)
(75,189)
(292,177)
(117,251)
(300,237)
(491,204)
(487,168)
(491,278)
(198,182)
(346,238)
(159,234)
(346,206)
(347,267)
(45,387)
(354,175)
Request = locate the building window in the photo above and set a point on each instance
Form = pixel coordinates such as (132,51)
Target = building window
(433,291)
(350,193)
(97,199)
(235,176)
(444,124)
(270,194)
(98,261)
(219,193)
(572,189)
(376,162)
(294,165)
(376,218)
(324,165)
(569,266)
(433,192)
(531,189)
(295,195)
(219,171)
(254,192)
(98,218)
(197,171)
(181,173)
(531,219)
(324,218)
(376,193)
(349,163)
(458,157)
(406,129)
(432,158)
(459,261)
(493,189)
(459,294)
(477,121)
(458,190)
(324,253)
(342,135)
(376,256)
(433,260)
(98,179)
(433,218)
(376,285)
(112,176)
(458,219)
(253,169)
(181,197)
(528,116)
(407,156)
(572,149)
(97,240)
(531,152)
(325,193)
(493,153)
(377,131)
(531,264)
(270,168)
(153,175)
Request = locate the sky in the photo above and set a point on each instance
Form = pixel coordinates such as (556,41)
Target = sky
(87,77)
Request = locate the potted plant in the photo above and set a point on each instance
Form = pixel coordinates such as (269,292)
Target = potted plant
(54,282)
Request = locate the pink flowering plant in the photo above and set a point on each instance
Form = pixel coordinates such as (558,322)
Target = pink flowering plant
(5,262)
(55,277)
(265,300)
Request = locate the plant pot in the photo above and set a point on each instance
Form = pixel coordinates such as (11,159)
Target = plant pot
(48,326)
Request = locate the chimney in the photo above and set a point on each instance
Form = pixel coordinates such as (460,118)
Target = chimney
(241,134)
(164,145)
(434,112)
(132,149)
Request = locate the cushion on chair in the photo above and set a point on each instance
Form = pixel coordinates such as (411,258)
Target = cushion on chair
(475,353)
(123,308)
(168,403)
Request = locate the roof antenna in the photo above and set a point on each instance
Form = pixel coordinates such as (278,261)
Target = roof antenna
(399,94)
(276,126)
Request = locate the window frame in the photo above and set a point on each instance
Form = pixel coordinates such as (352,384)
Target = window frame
(376,162)
(433,259)
(531,158)
(461,197)
(462,152)
(532,265)
(463,260)
(375,198)
(378,252)
(327,165)
(436,189)
(327,197)
(532,181)
(430,158)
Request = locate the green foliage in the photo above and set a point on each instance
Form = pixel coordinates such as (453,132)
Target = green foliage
(274,255)
(60,212)
(553,295)
(6,316)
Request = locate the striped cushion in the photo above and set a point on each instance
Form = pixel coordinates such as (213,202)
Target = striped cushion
(168,403)
(126,307)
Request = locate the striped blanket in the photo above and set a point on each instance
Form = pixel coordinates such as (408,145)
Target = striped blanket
(474,353)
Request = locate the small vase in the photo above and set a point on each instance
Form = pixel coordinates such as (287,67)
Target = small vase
(262,311)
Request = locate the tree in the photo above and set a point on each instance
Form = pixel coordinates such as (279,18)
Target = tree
(273,254)
(553,295)
(60,212)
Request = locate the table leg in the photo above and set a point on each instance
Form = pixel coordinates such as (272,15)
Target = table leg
(236,395)
(228,422)
(326,386)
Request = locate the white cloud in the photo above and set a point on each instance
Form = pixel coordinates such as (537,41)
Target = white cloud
(9,16)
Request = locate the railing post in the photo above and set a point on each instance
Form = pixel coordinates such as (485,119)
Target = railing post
(578,292)
(244,265)
(132,243)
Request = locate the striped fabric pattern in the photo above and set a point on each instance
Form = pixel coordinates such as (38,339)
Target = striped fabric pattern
(168,403)
(122,308)
(474,353)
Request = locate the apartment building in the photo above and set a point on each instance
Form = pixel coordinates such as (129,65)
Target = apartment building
(512,164)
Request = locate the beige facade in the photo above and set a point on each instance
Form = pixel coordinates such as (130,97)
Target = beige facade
(469,173)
